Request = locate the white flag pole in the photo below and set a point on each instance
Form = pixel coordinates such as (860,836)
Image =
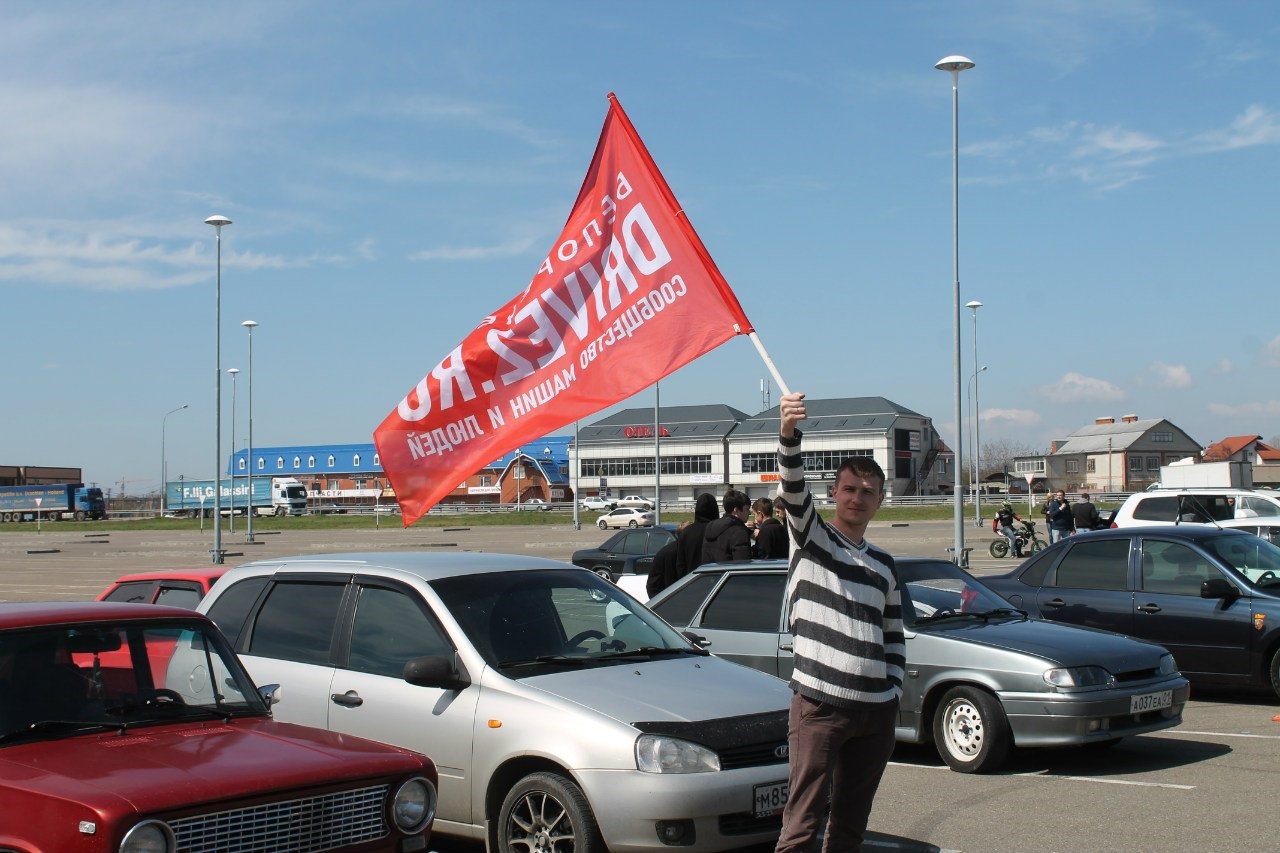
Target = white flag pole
(768,362)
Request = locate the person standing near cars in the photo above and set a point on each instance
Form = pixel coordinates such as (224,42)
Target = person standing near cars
(689,540)
(771,535)
(844,602)
(1085,513)
(727,539)
(1061,522)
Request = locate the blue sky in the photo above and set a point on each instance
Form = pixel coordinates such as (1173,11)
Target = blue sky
(396,171)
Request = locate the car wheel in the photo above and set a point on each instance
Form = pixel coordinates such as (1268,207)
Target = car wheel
(603,525)
(546,812)
(1275,672)
(604,573)
(279,511)
(633,523)
(999,548)
(971,731)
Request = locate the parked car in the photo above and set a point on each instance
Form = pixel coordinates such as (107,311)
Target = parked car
(1208,594)
(1267,528)
(625,516)
(625,553)
(982,677)
(561,709)
(176,587)
(1195,505)
(109,743)
(535,504)
(594,502)
(638,501)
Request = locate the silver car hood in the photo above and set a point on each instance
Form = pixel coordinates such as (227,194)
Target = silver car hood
(686,688)
(1065,645)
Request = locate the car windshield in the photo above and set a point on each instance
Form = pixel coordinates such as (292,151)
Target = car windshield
(1252,556)
(527,622)
(936,591)
(63,680)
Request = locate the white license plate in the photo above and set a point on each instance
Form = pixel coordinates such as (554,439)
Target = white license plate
(1150,701)
(769,799)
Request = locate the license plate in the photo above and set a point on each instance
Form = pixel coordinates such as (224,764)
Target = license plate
(1150,701)
(769,799)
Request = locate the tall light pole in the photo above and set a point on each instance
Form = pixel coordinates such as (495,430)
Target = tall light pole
(164,473)
(973,479)
(250,324)
(231,520)
(954,65)
(974,305)
(217,222)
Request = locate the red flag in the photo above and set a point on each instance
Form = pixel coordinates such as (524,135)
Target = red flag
(627,295)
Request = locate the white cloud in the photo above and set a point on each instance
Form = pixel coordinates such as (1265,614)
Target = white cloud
(1010,417)
(1271,353)
(1077,388)
(1257,125)
(1170,376)
(474,253)
(1254,409)
(1225,366)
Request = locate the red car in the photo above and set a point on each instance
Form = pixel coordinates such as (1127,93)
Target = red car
(129,729)
(176,587)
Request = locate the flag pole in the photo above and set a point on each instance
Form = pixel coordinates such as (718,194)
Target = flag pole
(768,362)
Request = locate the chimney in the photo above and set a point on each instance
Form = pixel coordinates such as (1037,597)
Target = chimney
(1103,421)
(1129,418)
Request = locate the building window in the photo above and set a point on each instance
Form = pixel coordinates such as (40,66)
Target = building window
(240,464)
(311,462)
(355,461)
(635,466)
(486,480)
(279,463)
(1153,463)
(262,464)
(297,462)
(1163,436)
(1072,466)
(331,460)
(1029,466)
(1091,466)
(1135,463)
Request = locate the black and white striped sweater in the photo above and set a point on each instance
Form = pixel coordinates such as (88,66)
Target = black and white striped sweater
(845,603)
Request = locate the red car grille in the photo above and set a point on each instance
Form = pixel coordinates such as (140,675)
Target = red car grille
(306,825)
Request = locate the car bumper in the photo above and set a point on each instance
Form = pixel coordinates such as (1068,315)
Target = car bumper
(715,807)
(1065,719)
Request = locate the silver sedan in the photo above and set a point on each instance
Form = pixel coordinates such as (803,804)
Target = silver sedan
(981,676)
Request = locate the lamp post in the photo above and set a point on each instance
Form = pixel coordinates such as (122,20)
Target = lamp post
(217,222)
(250,324)
(973,479)
(164,474)
(231,519)
(954,65)
(973,305)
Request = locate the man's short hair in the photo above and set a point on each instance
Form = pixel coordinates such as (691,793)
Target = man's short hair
(734,500)
(764,506)
(1084,496)
(862,466)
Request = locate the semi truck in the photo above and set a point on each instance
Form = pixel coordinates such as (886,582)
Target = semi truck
(1189,474)
(52,502)
(271,496)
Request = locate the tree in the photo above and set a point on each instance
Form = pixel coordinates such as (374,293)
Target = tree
(998,455)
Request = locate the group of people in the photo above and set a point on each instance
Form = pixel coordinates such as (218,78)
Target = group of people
(728,538)
(1063,518)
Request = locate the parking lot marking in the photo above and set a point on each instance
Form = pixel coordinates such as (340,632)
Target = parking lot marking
(1221,734)
(1047,774)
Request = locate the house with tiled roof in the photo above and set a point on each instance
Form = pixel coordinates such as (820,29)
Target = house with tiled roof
(1110,455)
(1251,450)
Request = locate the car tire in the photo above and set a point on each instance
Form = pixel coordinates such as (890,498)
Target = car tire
(971,731)
(547,805)
(602,524)
(999,548)
(633,523)
(1275,672)
(603,571)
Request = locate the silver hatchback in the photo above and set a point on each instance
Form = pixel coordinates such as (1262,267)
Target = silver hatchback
(561,713)
(981,676)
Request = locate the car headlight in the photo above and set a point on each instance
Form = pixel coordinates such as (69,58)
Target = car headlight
(1168,666)
(414,805)
(150,836)
(1078,676)
(664,754)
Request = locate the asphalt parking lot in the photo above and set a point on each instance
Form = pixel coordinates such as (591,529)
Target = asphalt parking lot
(1208,785)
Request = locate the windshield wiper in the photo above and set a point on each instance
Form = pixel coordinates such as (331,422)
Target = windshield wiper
(939,615)
(1002,611)
(50,725)
(558,660)
(650,652)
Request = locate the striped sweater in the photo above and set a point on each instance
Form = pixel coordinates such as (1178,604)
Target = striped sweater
(844,603)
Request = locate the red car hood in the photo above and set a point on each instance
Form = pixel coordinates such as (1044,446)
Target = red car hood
(158,768)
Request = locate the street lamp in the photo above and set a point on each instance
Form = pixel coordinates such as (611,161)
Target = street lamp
(217,222)
(250,324)
(974,305)
(164,474)
(973,479)
(954,65)
(231,520)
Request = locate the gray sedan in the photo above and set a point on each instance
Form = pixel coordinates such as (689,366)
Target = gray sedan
(981,676)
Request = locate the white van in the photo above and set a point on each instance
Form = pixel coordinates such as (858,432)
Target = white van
(1195,506)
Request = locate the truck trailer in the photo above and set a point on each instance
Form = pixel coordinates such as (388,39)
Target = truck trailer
(53,502)
(271,496)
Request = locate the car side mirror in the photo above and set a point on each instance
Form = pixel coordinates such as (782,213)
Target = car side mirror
(1218,588)
(443,671)
(697,639)
(270,694)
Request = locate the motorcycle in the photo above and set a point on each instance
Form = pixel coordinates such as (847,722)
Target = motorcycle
(1028,542)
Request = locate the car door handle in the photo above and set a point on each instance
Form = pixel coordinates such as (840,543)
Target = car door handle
(350,699)
(1148,608)
(1055,602)
(786,647)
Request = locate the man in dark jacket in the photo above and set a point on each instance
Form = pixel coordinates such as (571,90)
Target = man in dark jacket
(771,535)
(1085,513)
(727,539)
(662,571)
(689,540)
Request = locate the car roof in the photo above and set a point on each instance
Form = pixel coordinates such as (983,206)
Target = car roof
(208,574)
(29,614)
(748,565)
(428,567)
(1185,530)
